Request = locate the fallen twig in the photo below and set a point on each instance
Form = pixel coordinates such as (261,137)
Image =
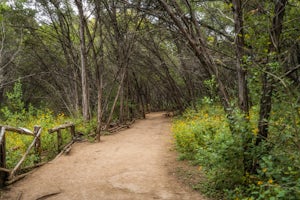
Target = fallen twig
(32,167)
(5,170)
(17,178)
(66,148)
(19,197)
(48,195)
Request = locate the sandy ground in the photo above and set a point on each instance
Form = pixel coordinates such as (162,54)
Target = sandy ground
(132,164)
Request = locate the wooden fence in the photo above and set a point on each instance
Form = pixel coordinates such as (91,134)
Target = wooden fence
(8,176)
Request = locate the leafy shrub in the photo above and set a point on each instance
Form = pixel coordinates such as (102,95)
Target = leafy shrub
(222,150)
(14,114)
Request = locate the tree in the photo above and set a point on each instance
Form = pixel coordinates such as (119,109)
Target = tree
(83,57)
(57,38)
(267,79)
(240,67)
(14,22)
(191,30)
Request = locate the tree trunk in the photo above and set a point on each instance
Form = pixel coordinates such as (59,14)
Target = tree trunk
(267,80)
(186,76)
(83,57)
(242,84)
(239,45)
(100,90)
(76,94)
(3,175)
(121,111)
(116,99)
(141,103)
(99,108)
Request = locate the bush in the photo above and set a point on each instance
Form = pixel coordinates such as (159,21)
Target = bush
(223,150)
(15,114)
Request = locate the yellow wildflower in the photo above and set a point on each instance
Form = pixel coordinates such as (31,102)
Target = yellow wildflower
(259,182)
(255,131)
(247,36)
(270,181)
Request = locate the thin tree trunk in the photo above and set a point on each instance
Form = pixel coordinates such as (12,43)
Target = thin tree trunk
(121,111)
(127,98)
(267,80)
(99,109)
(243,101)
(100,69)
(99,65)
(187,77)
(141,103)
(116,99)
(239,45)
(83,57)
(76,95)
(100,90)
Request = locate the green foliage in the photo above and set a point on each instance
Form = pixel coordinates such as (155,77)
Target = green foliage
(15,114)
(211,85)
(222,150)
(14,110)
(205,137)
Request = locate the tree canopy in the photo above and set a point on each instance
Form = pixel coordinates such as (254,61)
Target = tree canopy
(117,60)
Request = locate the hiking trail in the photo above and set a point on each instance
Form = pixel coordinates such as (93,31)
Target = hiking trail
(132,164)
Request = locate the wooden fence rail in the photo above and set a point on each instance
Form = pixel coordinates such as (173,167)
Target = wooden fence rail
(8,176)
(59,136)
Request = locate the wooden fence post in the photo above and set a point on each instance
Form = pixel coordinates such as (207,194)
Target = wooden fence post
(15,169)
(72,129)
(37,146)
(3,175)
(59,140)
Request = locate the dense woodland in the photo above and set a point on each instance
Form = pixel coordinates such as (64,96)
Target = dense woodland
(234,62)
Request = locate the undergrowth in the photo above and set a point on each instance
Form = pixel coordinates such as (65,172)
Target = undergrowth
(206,137)
(15,114)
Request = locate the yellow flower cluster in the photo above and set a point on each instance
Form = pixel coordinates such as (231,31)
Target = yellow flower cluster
(260,182)
(270,181)
(204,123)
(17,144)
(255,131)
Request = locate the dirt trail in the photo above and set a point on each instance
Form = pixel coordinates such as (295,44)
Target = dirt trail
(133,164)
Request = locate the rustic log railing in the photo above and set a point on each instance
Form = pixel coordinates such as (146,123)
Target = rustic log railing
(8,176)
(59,135)
(120,127)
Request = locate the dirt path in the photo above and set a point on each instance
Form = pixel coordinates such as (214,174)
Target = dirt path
(133,164)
